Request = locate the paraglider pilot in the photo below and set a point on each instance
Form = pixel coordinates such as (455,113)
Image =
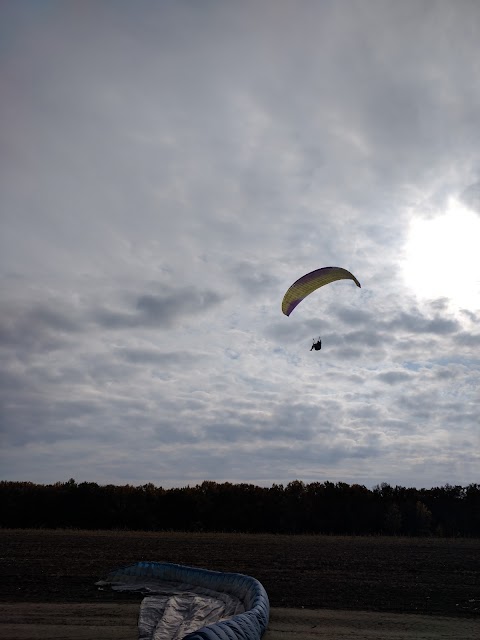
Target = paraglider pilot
(316,345)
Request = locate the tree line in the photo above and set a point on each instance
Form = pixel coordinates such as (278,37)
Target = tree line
(317,507)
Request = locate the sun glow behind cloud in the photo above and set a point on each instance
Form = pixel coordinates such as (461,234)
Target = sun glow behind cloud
(443,257)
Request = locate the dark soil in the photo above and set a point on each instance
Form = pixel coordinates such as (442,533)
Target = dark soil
(421,575)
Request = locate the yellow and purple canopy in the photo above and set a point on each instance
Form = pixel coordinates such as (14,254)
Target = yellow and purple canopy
(308,283)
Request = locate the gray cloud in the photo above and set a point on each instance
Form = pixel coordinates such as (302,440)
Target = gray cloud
(394,377)
(41,328)
(471,196)
(169,172)
(256,279)
(416,322)
(159,310)
(150,356)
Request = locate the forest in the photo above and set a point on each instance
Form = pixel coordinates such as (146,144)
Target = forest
(298,507)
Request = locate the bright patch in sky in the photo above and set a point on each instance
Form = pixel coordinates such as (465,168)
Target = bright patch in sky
(443,257)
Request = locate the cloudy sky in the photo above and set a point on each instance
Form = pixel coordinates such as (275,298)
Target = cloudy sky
(168,169)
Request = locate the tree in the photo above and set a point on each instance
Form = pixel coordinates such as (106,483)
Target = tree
(423,518)
(393,519)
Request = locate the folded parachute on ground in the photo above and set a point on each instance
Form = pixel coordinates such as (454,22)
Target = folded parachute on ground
(189,603)
(308,283)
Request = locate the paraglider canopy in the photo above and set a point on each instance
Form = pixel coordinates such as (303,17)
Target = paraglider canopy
(308,283)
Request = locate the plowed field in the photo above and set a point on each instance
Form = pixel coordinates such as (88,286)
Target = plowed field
(413,575)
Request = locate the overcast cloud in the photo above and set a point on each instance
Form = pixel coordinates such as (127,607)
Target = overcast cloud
(167,170)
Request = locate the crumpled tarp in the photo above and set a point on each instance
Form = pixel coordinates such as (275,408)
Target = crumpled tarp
(187,602)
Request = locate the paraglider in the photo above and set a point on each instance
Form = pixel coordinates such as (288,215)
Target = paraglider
(308,283)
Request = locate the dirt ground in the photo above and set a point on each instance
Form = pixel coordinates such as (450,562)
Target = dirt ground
(334,587)
(431,576)
(90,621)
